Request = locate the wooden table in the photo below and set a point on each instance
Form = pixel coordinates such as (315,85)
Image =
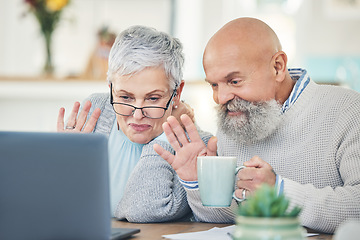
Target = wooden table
(154,231)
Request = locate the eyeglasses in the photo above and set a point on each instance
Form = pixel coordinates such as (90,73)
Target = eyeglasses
(153,112)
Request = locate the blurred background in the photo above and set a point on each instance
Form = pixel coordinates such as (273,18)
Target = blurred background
(322,36)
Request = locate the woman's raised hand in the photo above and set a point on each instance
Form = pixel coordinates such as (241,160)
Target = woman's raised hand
(76,123)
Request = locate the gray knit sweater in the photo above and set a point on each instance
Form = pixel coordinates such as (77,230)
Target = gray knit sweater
(153,192)
(317,152)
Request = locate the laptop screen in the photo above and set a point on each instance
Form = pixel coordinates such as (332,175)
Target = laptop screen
(54,186)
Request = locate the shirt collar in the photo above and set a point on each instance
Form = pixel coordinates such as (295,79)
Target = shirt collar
(302,80)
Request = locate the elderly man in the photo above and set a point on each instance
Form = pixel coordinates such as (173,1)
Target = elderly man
(290,132)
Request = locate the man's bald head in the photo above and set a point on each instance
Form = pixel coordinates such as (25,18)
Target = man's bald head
(249,35)
(244,59)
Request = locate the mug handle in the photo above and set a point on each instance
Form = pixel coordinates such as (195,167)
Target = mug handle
(235,197)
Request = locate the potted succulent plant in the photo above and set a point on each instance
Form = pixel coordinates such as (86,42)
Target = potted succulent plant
(265,216)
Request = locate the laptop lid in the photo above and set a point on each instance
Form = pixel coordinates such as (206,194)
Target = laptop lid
(54,186)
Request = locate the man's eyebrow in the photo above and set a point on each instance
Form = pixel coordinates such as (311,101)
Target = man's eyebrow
(231,74)
(208,81)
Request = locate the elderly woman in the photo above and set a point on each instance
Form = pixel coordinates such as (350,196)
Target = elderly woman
(145,81)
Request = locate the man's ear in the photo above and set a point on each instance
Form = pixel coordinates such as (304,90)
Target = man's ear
(280,65)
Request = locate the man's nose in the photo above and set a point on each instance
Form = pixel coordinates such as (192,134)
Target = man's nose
(223,95)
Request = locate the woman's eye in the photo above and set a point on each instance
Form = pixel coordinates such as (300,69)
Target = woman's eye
(125,98)
(153,99)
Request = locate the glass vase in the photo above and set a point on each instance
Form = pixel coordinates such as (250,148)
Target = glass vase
(48,67)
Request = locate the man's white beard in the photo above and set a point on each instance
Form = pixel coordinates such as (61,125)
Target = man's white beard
(257,121)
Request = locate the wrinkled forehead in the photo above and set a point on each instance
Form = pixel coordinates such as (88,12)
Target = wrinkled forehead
(220,58)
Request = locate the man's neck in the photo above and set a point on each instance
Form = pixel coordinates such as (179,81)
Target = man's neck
(285,89)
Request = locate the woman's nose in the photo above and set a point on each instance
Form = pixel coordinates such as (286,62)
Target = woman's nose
(138,114)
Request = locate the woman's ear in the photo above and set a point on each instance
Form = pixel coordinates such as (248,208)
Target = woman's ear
(176,99)
(280,65)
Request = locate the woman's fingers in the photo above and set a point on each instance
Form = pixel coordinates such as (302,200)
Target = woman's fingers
(76,122)
(82,116)
(60,120)
(73,115)
(90,125)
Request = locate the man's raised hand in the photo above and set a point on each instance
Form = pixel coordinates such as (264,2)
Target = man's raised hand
(187,148)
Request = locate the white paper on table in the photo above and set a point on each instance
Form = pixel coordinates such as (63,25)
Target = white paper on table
(211,234)
(215,233)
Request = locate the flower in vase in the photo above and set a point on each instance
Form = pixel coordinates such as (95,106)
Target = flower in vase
(47,13)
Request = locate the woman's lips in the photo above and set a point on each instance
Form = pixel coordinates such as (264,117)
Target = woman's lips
(139,127)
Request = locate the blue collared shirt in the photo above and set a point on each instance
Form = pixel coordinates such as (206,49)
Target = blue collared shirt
(302,80)
(123,157)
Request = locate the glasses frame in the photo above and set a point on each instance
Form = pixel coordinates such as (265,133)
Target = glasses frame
(141,108)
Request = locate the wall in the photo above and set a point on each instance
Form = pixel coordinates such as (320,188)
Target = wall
(328,37)
(314,34)
(309,30)
(34,106)
(22,48)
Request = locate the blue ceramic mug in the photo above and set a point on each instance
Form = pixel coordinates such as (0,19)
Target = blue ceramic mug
(216,177)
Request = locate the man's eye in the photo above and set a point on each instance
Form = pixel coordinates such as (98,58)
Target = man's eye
(235,82)
(213,85)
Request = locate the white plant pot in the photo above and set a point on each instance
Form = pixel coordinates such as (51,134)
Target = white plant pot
(261,228)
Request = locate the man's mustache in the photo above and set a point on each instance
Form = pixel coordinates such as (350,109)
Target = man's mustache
(237,105)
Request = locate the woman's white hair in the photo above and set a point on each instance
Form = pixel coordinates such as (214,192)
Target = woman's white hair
(139,47)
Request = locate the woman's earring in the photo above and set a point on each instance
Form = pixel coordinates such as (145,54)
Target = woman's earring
(175,106)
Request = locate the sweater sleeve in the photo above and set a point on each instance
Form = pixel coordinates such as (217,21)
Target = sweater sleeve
(153,192)
(324,209)
(107,117)
(210,214)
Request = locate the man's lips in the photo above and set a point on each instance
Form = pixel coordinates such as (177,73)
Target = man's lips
(230,113)
(139,127)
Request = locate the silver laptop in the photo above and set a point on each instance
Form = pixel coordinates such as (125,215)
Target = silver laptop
(55,186)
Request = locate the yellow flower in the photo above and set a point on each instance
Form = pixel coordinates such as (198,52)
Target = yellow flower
(56,5)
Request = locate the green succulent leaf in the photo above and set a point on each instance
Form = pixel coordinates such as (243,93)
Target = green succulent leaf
(265,202)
